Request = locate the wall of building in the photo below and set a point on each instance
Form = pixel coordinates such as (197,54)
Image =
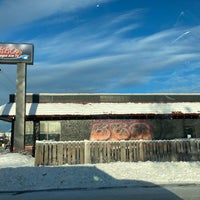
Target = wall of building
(157,128)
(75,129)
(161,127)
(114,129)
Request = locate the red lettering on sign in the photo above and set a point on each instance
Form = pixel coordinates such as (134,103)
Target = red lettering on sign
(9,52)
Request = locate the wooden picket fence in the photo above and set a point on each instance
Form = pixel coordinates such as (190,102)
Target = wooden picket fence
(85,152)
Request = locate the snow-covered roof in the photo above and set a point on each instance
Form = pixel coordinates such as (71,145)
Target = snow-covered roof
(89,109)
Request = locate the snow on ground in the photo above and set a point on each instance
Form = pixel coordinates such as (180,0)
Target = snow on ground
(17,173)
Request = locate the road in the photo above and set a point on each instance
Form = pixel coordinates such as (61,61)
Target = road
(168,192)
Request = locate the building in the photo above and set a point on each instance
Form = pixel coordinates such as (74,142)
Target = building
(107,116)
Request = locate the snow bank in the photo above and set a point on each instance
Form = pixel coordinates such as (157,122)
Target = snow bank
(17,173)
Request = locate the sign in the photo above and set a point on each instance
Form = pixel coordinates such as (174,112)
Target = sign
(120,130)
(13,53)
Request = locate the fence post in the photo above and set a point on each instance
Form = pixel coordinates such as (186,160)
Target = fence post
(39,154)
(141,145)
(123,151)
(60,153)
(87,159)
(173,151)
(193,156)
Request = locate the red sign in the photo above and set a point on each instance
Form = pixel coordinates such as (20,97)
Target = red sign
(9,52)
(13,53)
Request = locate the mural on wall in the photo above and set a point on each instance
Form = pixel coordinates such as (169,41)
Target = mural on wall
(120,130)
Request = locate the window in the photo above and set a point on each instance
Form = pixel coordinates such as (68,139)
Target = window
(50,130)
(189,132)
(29,133)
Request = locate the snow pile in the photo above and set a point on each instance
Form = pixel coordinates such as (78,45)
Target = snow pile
(15,160)
(17,173)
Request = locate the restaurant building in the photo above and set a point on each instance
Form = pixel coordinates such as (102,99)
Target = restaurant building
(69,117)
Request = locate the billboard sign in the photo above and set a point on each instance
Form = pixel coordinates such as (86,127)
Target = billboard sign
(13,53)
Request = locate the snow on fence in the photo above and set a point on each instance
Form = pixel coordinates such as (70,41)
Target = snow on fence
(85,152)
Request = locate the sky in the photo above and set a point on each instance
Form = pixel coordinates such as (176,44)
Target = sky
(104,46)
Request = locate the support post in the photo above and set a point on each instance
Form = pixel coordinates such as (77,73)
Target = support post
(19,133)
(87,159)
(36,135)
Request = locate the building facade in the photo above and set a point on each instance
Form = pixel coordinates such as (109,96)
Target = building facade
(69,117)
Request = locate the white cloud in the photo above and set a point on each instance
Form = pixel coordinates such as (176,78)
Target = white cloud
(95,57)
(15,13)
(127,28)
(108,61)
(132,16)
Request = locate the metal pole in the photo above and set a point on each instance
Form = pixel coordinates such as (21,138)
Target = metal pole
(20,127)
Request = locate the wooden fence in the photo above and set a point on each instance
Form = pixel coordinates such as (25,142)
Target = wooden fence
(84,152)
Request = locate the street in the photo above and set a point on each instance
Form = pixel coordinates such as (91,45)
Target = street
(168,192)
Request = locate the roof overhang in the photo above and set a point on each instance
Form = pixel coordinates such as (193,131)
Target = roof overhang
(101,110)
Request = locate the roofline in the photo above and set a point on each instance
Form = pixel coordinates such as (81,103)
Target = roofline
(114,94)
(105,116)
(108,97)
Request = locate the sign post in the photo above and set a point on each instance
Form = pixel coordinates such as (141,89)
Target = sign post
(20,54)
(20,124)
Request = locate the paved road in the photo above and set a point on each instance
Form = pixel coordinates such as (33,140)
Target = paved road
(169,192)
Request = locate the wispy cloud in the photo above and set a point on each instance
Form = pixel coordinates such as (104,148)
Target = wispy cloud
(99,61)
(23,11)
(181,36)
(97,55)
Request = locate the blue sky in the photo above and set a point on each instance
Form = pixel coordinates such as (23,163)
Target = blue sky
(104,46)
